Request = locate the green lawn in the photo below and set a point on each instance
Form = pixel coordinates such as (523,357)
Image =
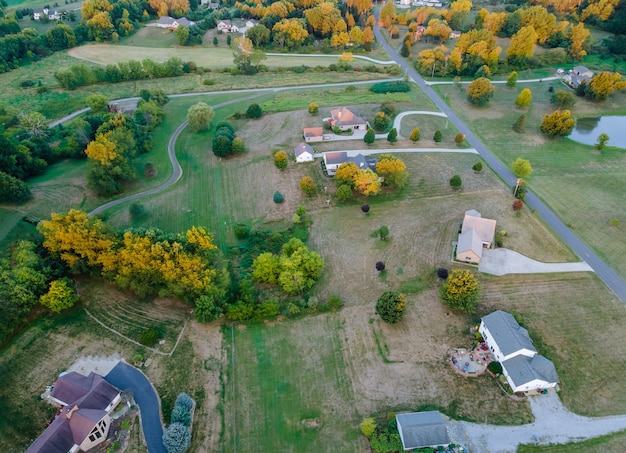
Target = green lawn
(582,185)
(603,444)
(292,391)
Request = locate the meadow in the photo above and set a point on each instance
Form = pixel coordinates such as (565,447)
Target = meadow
(581,184)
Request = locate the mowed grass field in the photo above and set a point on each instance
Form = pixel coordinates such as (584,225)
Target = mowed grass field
(582,185)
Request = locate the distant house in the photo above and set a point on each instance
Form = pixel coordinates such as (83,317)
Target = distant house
(344,118)
(404,2)
(476,233)
(313,134)
(251,23)
(304,153)
(83,421)
(226,26)
(524,369)
(50,13)
(419,32)
(172,24)
(333,160)
(455,34)
(580,74)
(422,430)
(212,5)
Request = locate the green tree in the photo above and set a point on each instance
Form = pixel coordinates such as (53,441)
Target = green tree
(281,160)
(557,124)
(415,134)
(216,41)
(381,121)
(459,138)
(563,99)
(60,296)
(199,116)
(368,427)
(97,103)
(182,35)
(392,136)
(511,80)
(383,232)
(344,192)
(480,91)
(13,190)
(391,306)
(602,141)
(222,145)
(522,168)
(266,268)
(456,182)
(176,438)
(238,146)
(254,111)
(524,99)
(460,291)
(478,166)
(207,309)
(438,136)
(370,136)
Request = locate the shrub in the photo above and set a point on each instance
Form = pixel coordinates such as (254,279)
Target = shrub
(149,171)
(278,197)
(368,426)
(391,306)
(344,192)
(520,124)
(307,185)
(381,121)
(176,438)
(438,136)
(136,211)
(181,415)
(149,337)
(383,232)
(459,138)
(301,210)
(254,111)
(518,205)
(241,231)
(334,302)
(365,208)
(495,367)
(388,108)
(478,166)
(281,160)
(521,167)
(456,182)
(390,87)
(392,136)
(370,136)
(380,266)
(313,108)
(442,273)
(238,146)
(415,134)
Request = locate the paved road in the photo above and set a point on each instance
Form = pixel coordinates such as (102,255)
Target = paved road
(608,275)
(125,377)
(356,152)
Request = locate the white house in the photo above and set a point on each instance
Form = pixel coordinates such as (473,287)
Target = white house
(523,367)
(476,233)
(84,420)
(422,430)
(304,153)
(580,74)
(172,24)
(52,14)
(333,160)
(345,119)
(226,26)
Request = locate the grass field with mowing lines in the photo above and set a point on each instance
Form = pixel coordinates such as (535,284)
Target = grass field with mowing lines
(582,185)
(292,391)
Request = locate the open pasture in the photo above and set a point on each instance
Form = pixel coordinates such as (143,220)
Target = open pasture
(582,185)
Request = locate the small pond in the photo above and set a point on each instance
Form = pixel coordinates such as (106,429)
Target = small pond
(587,130)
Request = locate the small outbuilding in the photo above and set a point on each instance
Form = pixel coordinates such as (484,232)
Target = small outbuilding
(422,430)
(304,153)
(313,134)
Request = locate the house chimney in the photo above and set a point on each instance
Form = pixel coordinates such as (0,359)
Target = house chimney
(69,412)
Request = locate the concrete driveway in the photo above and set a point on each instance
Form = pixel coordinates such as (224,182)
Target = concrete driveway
(125,377)
(504,261)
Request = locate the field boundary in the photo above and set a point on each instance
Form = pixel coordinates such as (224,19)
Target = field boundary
(232,355)
(168,354)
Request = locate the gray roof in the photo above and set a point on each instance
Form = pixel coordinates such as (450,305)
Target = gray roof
(523,369)
(166,20)
(186,22)
(359,160)
(470,241)
(507,333)
(303,148)
(422,429)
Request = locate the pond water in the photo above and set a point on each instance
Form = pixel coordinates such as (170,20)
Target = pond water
(587,130)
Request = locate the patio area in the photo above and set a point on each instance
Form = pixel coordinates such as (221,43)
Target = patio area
(471,363)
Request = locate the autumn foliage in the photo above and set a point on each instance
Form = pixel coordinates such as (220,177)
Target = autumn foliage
(460,291)
(557,124)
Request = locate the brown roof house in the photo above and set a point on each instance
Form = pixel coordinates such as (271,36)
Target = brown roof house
(313,134)
(84,421)
(345,119)
(476,233)
(422,430)
(304,153)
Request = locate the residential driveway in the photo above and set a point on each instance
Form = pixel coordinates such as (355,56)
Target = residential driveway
(553,424)
(504,261)
(125,377)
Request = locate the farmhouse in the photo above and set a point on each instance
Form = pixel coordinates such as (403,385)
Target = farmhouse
(313,134)
(226,26)
(40,12)
(172,24)
(422,430)
(524,369)
(580,74)
(212,5)
(476,233)
(83,421)
(333,160)
(345,119)
(304,153)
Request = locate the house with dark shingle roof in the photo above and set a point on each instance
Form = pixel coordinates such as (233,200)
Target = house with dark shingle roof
(510,343)
(84,421)
(334,159)
(303,152)
(422,430)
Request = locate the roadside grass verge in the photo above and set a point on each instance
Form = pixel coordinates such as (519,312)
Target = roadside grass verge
(581,184)
(603,444)
(292,389)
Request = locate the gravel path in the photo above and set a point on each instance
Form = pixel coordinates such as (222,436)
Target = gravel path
(553,424)
(504,261)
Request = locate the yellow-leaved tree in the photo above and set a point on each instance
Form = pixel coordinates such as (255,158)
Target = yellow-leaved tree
(540,19)
(522,46)
(165,7)
(558,123)
(392,169)
(460,291)
(604,84)
(102,150)
(323,18)
(602,9)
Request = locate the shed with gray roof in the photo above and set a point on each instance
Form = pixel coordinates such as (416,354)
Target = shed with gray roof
(422,430)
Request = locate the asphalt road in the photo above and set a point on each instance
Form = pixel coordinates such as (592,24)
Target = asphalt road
(608,275)
(125,378)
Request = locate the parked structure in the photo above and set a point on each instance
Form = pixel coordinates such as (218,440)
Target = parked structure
(313,134)
(523,367)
